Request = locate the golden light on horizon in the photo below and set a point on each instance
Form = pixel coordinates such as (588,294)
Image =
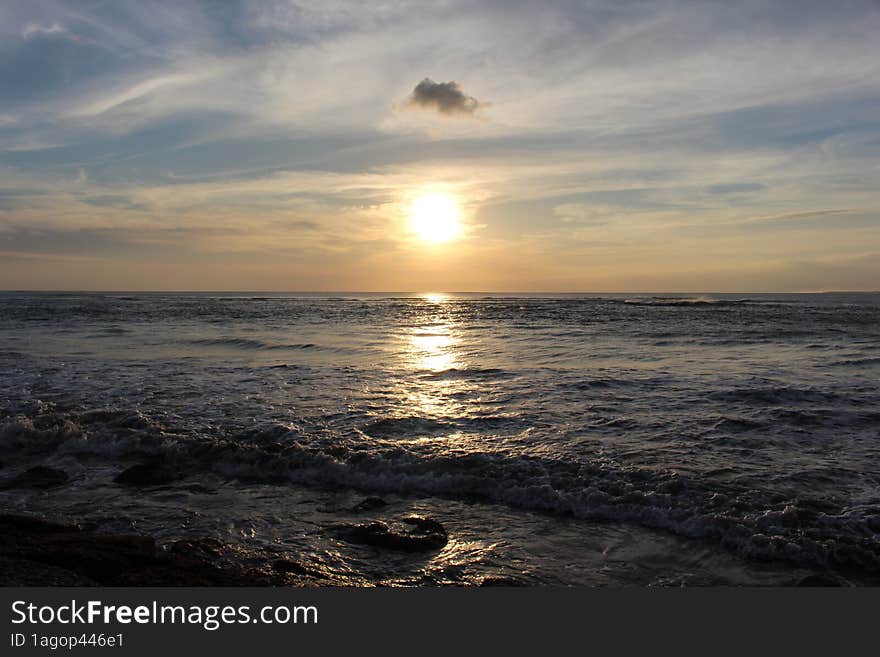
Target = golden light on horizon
(435,217)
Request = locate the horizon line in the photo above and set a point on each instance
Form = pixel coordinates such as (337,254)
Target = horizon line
(418,293)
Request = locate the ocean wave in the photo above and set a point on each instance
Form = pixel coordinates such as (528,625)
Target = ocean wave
(686,301)
(110,331)
(738,424)
(249,344)
(754,523)
(854,362)
(415,427)
(468,373)
(774,395)
(601,382)
(825,418)
(406,427)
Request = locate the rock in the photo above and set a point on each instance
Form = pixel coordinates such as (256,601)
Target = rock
(35,552)
(146,474)
(39,476)
(427,526)
(421,535)
(368,504)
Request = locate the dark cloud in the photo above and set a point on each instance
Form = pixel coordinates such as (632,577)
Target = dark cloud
(444,97)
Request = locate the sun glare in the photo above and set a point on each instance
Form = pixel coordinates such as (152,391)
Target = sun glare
(434,217)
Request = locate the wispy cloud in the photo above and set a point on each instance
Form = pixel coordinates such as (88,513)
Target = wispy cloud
(584,214)
(36,29)
(795,216)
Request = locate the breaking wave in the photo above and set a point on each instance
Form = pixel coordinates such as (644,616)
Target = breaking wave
(805,530)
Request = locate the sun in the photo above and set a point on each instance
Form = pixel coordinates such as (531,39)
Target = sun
(434,217)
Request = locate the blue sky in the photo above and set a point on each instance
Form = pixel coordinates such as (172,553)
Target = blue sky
(638,146)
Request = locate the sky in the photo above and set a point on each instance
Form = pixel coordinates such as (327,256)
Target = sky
(589,146)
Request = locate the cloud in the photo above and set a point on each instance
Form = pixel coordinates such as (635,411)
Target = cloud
(795,216)
(35,29)
(120,201)
(585,215)
(444,97)
(736,188)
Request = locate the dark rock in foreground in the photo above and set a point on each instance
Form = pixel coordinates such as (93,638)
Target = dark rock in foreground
(420,535)
(36,552)
(146,474)
(37,477)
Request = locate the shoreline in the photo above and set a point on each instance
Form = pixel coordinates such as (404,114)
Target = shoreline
(39,552)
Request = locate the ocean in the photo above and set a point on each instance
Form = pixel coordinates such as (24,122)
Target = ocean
(598,440)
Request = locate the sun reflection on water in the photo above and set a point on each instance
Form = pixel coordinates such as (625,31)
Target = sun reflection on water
(433,349)
(435,297)
(430,349)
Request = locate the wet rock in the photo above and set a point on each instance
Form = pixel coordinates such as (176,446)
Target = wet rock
(146,474)
(39,476)
(413,534)
(369,504)
(36,552)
